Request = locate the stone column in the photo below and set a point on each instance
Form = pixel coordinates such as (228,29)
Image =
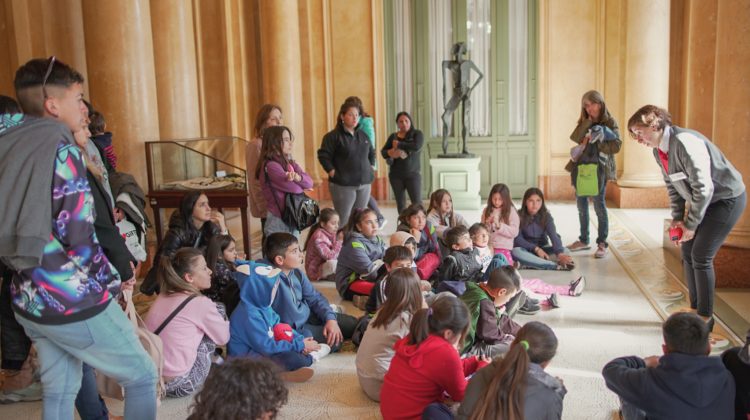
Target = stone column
(646,82)
(122,85)
(282,68)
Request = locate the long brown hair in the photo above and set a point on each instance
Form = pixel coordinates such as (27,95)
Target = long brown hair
(402,294)
(264,113)
(504,192)
(504,396)
(171,273)
(446,313)
(524,215)
(326,215)
(271,149)
(215,251)
(594,96)
(357,216)
(435,199)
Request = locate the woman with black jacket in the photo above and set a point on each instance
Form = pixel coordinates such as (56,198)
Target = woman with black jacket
(192,225)
(402,152)
(348,157)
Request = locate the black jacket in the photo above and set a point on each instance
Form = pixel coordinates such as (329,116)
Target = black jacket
(179,235)
(461,265)
(352,156)
(412,145)
(681,387)
(107,233)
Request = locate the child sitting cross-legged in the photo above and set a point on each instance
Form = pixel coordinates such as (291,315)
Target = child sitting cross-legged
(322,246)
(491,330)
(426,365)
(427,257)
(516,386)
(297,302)
(684,383)
(361,256)
(463,264)
(190,325)
(402,298)
(395,257)
(252,325)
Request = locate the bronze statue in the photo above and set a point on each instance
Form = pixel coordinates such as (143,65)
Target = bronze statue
(461,92)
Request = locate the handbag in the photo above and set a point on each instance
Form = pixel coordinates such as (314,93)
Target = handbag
(300,211)
(151,342)
(587,180)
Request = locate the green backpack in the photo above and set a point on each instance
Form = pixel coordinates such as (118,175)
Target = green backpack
(587,181)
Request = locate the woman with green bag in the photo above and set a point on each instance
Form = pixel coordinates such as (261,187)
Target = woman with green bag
(592,164)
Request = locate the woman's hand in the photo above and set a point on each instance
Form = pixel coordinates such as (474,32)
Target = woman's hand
(564,259)
(687,235)
(540,253)
(331,173)
(395,144)
(218,218)
(416,233)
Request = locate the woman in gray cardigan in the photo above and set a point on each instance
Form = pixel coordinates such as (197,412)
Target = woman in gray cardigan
(706,192)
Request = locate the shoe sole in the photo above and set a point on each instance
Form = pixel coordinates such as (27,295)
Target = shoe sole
(579,249)
(300,375)
(578,290)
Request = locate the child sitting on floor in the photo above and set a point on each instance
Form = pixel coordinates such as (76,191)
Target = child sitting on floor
(221,256)
(428,257)
(252,323)
(480,238)
(297,302)
(490,331)
(322,246)
(737,361)
(531,246)
(402,298)
(462,265)
(500,392)
(395,257)
(240,389)
(361,256)
(440,213)
(426,364)
(684,383)
(190,325)
(501,218)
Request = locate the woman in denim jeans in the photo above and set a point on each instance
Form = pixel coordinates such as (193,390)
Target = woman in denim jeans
(599,150)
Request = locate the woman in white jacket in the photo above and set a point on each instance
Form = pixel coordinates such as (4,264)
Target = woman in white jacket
(391,323)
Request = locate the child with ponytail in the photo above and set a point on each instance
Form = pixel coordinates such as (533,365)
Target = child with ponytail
(427,365)
(361,256)
(190,325)
(322,246)
(517,387)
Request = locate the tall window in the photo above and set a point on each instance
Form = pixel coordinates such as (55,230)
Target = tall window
(403,48)
(440,41)
(479,33)
(518,60)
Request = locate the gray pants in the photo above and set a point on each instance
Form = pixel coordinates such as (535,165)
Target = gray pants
(345,199)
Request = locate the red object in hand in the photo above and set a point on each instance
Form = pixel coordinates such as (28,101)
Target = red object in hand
(283,332)
(675,234)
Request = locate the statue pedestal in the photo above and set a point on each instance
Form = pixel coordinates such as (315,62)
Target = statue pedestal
(460,176)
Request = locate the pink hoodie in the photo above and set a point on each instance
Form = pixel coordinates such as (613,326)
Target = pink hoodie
(321,247)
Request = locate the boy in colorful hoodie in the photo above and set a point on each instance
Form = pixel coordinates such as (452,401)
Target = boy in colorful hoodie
(251,326)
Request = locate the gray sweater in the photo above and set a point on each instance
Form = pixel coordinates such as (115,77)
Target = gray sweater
(698,174)
(27,153)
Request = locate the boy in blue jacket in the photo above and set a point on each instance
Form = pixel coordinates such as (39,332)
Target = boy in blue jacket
(685,383)
(251,324)
(297,302)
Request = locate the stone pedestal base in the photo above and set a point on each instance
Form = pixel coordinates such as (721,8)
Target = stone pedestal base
(461,177)
(638,198)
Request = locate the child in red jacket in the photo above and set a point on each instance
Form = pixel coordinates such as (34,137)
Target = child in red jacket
(427,365)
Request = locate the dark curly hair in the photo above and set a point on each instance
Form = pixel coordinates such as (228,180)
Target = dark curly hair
(240,389)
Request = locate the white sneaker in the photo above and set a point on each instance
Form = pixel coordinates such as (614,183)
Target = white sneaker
(337,309)
(324,351)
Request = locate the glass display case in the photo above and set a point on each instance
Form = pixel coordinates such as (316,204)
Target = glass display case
(214,165)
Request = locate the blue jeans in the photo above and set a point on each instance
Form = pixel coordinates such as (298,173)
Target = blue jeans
(529,259)
(437,411)
(631,412)
(498,261)
(600,207)
(106,342)
(89,404)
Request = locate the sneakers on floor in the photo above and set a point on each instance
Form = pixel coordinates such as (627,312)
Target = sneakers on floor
(578,246)
(32,392)
(565,267)
(299,375)
(360,301)
(337,308)
(577,286)
(552,301)
(529,308)
(324,351)
(601,251)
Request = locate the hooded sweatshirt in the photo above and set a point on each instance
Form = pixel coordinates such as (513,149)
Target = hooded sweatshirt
(420,374)
(49,236)
(681,387)
(360,257)
(296,298)
(321,247)
(251,324)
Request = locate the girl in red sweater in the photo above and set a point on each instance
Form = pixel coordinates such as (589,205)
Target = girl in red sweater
(427,365)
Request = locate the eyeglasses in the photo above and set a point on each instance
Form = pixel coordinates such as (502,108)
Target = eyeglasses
(50,66)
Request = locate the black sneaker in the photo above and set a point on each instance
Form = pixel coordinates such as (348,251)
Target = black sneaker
(552,301)
(577,286)
(529,308)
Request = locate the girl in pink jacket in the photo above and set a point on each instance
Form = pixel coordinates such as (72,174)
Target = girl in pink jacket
(501,219)
(322,246)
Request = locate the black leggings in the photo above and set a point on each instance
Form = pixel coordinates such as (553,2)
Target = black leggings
(698,254)
(14,342)
(411,183)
